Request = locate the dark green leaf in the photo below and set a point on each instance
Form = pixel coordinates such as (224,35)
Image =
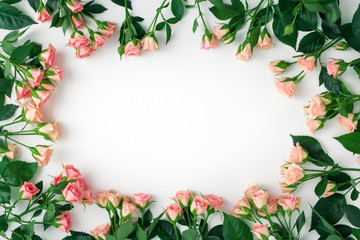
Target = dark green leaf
(125,230)
(154,224)
(13,36)
(3,223)
(5,193)
(177,8)
(165,231)
(307,20)
(195,25)
(356,23)
(168,32)
(122,3)
(261,17)
(286,5)
(331,83)
(94,8)
(300,222)
(224,11)
(350,141)
(254,35)
(160,26)
(333,237)
(52,4)
(356,233)
(354,194)
(80,236)
(353,215)
(7,47)
(21,53)
(2,99)
(12,19)
(342,180)
(190,234)
(236,229)
(6,86)
(331,30)
(7,111)
(310,43)
(348,34)
(280,21)
(34,4)
(17,172)
(344,230)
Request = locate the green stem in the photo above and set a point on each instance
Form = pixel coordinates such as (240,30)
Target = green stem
(290,229)
(195,219)
(18,142)
(11,123)
(201,16)
(188,216)
(154,21)
(176,232)
(204,224)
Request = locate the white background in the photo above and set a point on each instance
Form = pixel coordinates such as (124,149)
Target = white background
(177,118)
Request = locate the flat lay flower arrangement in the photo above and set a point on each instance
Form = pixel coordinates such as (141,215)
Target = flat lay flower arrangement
(29,73)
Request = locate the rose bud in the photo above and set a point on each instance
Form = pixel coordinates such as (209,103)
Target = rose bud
(132,48)
(183,198)
(44,14)
(127,209)
(272,205)
(74,5)
(284,167)
(215,202)
(78,40)
(244,52)
(84,51)
(34,77)
(149,43)
(73,193)
(198,205)
(264,41)
(260,198)
(252,188)
(331,188)
(142,200)
(114,199)
(289,29)
(47,57)
(293,174)
(102,198)
(297,154)
(99,40)
(54,73)
(314,125)
(229,38)
(279,66)
(63,222)
(317,107)
(41,98)
(78,21)
(285,86)
(348,123)
(342,46)
(43,156)
(32,114)
(22,91)
(88,197)
(48,85)
(174,212)
(220,31)
(261,213)
(208,41)
(49,130)
(99,231)
(57,180)
(289,202)
(107,28)
(28,190)
(70,172)
(11,153)
(336,67)
(307,63)
(260,230)
(241,208)
(285,188)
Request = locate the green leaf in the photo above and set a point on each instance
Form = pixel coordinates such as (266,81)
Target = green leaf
(353,215)
(354,194)
(236,229)
(195,25)
(2,99)
(34,4)
(80,236)
(7,68)
(122,3)
(332,84)
(52,4)
(17,172)
(286,5)
(7,111)
(190,234)
(224,11)
(350,141)
(217,231)
(356,233)
(21,53)
(311,42)
(331,30)
(261,16)
(58,188)
(12,19)
(333,237)
(125,230)
(165,231)
(300,222)
(94,8)
(342,180)
(321,186)
(177,8)
(348,34)
(7,47)
(160,26)
(254,35)
(356,23)
(280,21)
(168,32)
(5,193)
(154,224)
(307,20)
(140,233)
(13,36)
(3,223)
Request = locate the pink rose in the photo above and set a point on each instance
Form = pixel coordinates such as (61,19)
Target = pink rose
(307,63)
(261,213)
(272,205)
(209,42)
(220,31)
(348,122)
(260,198)
(275,67)
(293,174)
(358,160)
(215,202)
(99,231)
(149,43)
(99,40)
(333,68)
(198,205)
(289,202)
(297,154)
(114,199)
(22,91)
(34,77)
(79,40)
(57,180)
(174,212)
(102,198)
(265,42)
(252,188)
(84,51)
(41,98)
(313,125)
(55,73)
(260,230)
(32,113)
(317,107)
(70,172)
(241,208)
(11,153)
(28,190)
(63,221)
(142,200)
(46,84)
(286,88)
(88,197)
(107,28)
(45,155)
(50,130)
(245,52)
(285,187)
(284,167)
(81,182)
(78,23)
(331,188)
(44,15)
(132,48)
(183,197)
(74,5)
(128,209)
(47,57)
(73,193)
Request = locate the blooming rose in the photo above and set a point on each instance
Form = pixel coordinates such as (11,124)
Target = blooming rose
(142,200)
(252,188)
(28,190)
(99,231)
(84,51)
(47,57)
(22,91)
(74,5)
(63,221)
(183,197)
(81,182)
(220,31)
(333,68)
(293,174)
(215,202)
(277,67)
(32,113)
(44,15)
(348,122)
(128,209)
(78,40)
(241,208)
(73,193)
(209,42)
(55,73)
(289,202)
(174,212)
(45,155)
(307,63)
(102,198)
(285,187)
(260,198)
(132,48)
(245,52)
(264,41)
(198,205)
(287,88)
(78,22)
(313,125)
(317,107)
(149,43)
(297,154)
(11,153)
(272,205)
(260,229)
(107,28)
(330,189)
(50,130)
(57,180)
(70,172)
(34,77)
(99,40)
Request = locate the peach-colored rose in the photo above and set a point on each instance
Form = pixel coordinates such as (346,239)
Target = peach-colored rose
(142,200)
(74,5)
(88,197)
(317,107)
(107,28)
(22,91)
(293,174)
(215,202)
(63,221)
(32,113)
(313,125)
(260,229)
(57,180)
(330,189)
(84,51)
(44,15)
(272,205)
(114,199)
(102,198)
(47,57)
(285,187)
(50,130)
(260,198)
(358,160)
(307,63)
(11,153)
(149,43)
(276,69)
(99,40)
(73,193)
(128,209)
(265,42)
(287,88)
(132,48)
(174,212)
(99,231)
(241,208)
(219,31)
(46,84)
(70,172)
(45,155)
(245,53)
(333,68)
(41,98)
(81,182)
(209,42)
(34,77)
(297,154)
(183,197)
(284,167)
(252,188)
(348,122)
(78,23)
(198,205)
(289,202)
(79,40)
(28,190)
(55,73)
